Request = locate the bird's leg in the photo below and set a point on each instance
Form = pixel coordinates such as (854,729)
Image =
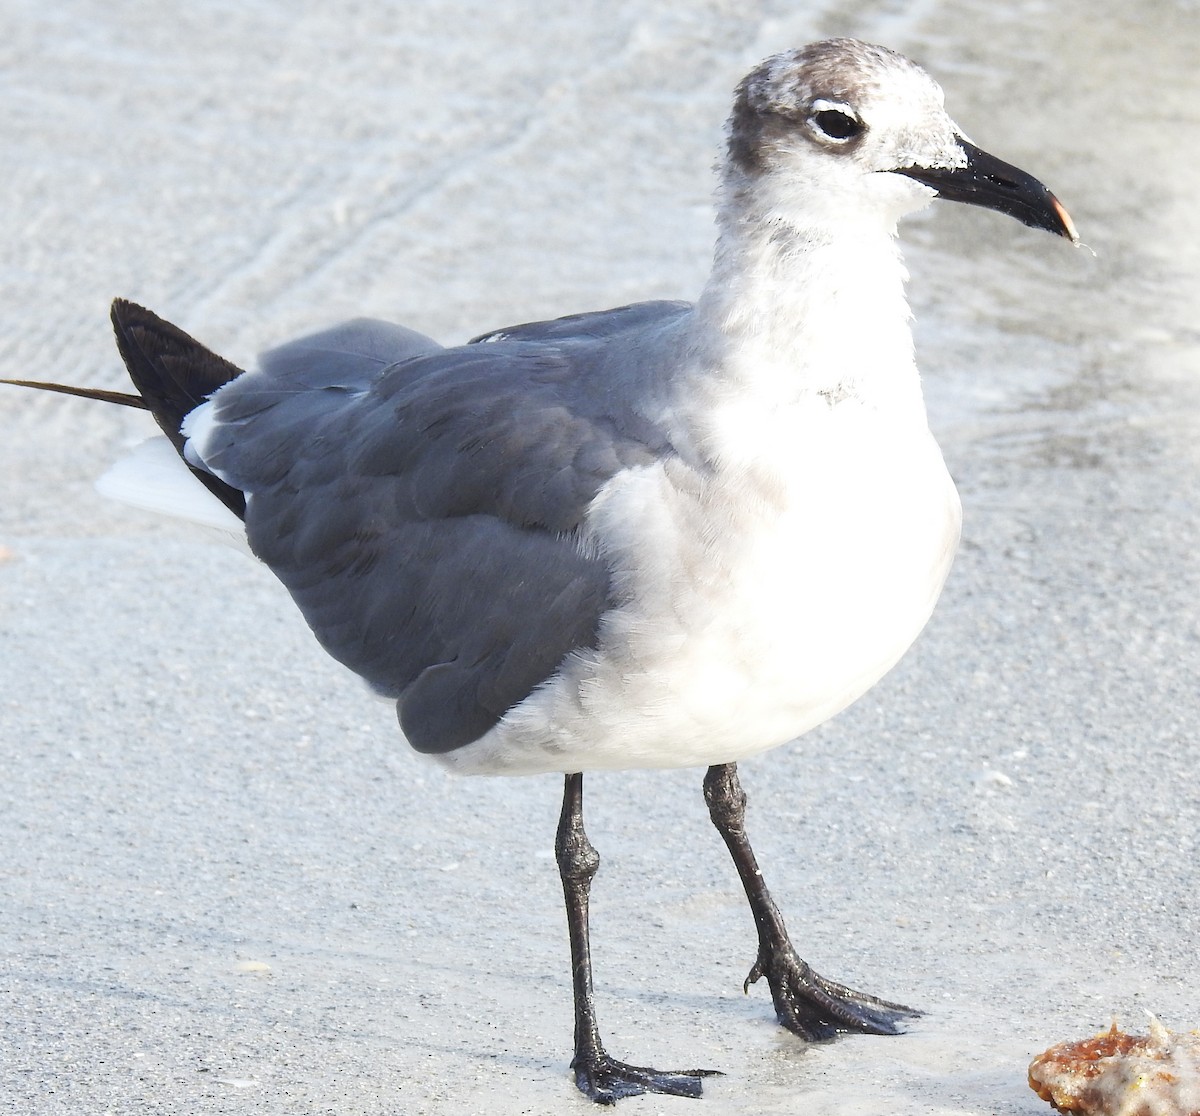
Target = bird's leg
(806,1003)
(603,1079)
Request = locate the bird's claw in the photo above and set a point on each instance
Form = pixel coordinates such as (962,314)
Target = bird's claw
(753,976)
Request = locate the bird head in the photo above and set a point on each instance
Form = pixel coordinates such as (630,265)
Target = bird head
(842,132)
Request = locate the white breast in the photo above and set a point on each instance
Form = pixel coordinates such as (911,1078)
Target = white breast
(755,603)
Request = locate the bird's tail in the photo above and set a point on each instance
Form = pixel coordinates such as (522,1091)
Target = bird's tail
(173,374)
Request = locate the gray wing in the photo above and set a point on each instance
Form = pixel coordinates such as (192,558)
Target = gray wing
(353,352)
(424,514)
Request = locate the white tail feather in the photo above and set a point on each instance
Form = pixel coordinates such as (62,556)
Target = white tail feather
(152,477)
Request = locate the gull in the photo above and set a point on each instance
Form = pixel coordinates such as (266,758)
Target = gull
(663,535)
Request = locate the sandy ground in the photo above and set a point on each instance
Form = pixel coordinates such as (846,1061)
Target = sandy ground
(227,885)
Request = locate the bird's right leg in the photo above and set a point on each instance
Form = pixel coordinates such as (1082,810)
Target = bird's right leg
(598,1076)
(806,1002)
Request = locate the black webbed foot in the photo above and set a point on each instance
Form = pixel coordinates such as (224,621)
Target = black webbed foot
(605,1080)
(817,1009)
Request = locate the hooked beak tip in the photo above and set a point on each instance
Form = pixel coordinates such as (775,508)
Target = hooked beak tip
(1068,225)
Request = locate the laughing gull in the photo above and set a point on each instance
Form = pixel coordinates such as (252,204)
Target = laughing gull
(663,535)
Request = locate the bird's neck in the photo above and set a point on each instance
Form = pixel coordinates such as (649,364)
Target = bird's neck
(800,313)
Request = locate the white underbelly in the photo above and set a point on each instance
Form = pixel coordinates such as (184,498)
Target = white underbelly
(749,612)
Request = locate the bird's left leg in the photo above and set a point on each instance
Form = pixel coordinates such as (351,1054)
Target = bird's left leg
(806,1003)
(599,1076)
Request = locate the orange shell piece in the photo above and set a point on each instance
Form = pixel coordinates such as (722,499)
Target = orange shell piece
(1115,1074)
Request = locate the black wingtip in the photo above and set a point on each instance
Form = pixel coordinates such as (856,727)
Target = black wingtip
(174,374)
(171,370)
(126,316)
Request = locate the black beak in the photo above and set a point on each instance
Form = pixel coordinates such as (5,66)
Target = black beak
(995,184)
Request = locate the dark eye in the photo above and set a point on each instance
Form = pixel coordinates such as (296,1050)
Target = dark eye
(837,124)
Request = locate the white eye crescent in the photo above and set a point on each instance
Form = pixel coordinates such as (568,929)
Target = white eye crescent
(835,121)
